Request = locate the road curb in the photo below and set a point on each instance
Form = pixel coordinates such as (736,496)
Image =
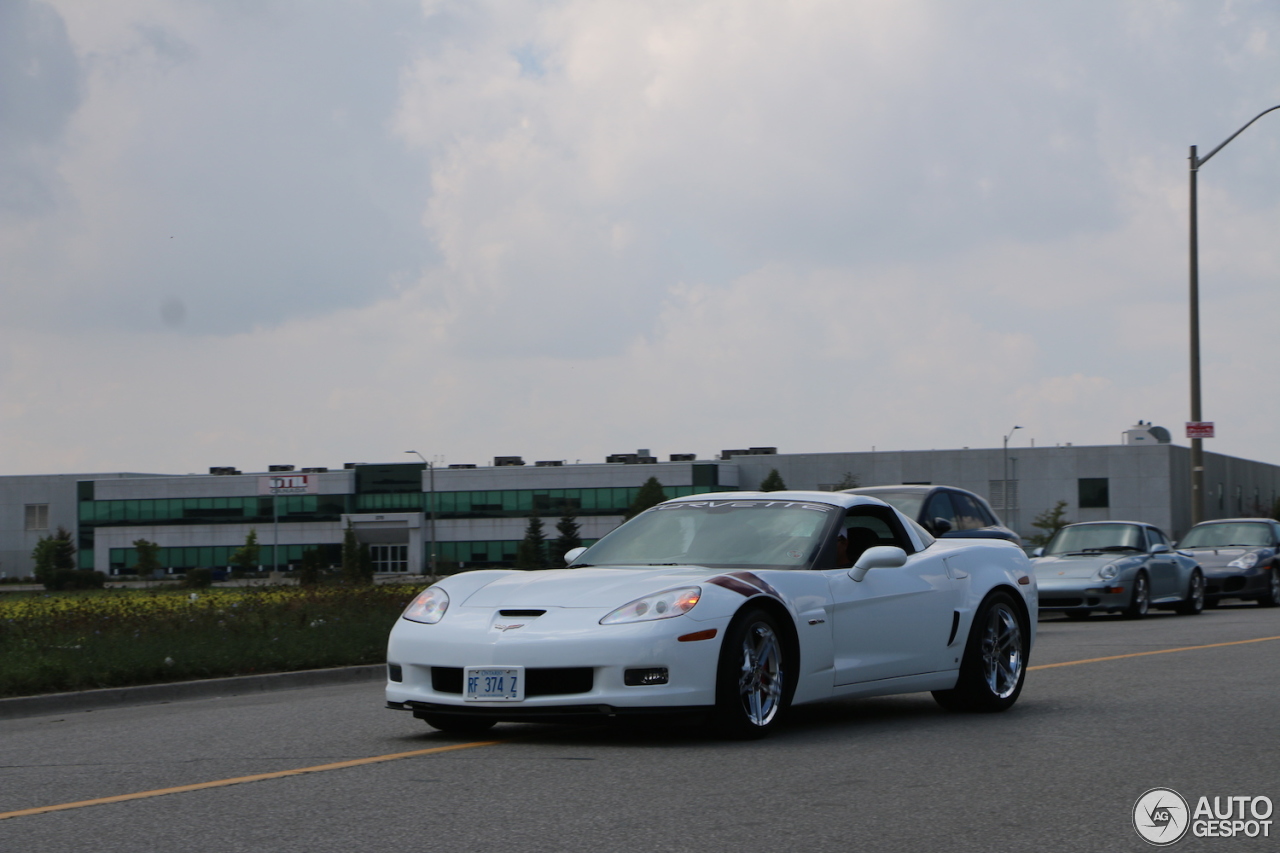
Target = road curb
(150,694)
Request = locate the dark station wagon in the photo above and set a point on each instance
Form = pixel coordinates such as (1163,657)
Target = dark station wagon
(945,511)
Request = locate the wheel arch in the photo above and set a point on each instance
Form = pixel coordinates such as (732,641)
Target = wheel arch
(1019,604)
(786,624)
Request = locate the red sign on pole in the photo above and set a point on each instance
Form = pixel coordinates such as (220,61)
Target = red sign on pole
(1199,429)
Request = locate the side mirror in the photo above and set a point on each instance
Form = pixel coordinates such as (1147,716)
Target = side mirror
(879,557)
(1160,548)
(1039,552)
(941,527)
(573,554)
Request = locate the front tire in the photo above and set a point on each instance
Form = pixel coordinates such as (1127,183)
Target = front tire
(1271,597)
(994,666)
(1193,604)
(751,680)
(458,725)
(1140,601)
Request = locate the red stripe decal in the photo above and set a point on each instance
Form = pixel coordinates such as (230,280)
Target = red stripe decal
(757,582)
(735,585)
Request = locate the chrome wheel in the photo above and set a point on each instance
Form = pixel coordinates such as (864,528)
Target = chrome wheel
(1002,652)
(760,677)
(1140,603)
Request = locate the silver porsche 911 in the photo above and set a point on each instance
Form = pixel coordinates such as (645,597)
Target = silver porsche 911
(1116,567)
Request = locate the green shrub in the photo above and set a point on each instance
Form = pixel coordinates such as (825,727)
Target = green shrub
(65,580)
(119,637)
(198,579)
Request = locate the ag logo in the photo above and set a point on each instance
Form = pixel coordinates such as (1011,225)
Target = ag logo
(1161,816)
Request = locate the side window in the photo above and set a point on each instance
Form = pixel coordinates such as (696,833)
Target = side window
(968,514)
(868,526)
(1155,537)
(939,507)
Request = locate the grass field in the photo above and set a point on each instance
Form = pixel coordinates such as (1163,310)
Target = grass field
(54,642)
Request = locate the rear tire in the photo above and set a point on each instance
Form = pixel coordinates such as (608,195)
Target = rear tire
(1193,604)
(994,666)
(458,725)
(752,681)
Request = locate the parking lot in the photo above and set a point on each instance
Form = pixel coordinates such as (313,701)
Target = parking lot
(1111,709)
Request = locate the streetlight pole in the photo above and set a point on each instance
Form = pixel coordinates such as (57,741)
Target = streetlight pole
(431,511)
(1197,444)
(1004,496)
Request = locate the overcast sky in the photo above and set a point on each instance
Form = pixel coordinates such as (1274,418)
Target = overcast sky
(249,233)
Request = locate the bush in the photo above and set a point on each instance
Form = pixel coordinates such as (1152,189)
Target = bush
(198,579)
(70,579)
(119,637)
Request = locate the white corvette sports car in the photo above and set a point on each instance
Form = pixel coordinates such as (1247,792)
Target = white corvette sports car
(733,605)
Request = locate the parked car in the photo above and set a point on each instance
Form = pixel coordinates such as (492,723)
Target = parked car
(1116,567)
(945,511)
(732,606)
(1238,556)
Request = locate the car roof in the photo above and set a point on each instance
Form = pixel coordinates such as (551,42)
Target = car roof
(904,487)
(920,488)
(840,499)
(1255,519)
(1112,521)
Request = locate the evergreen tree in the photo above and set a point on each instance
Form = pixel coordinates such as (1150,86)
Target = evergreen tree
(650,494)
(1050,522)
(311,568)
(246,556)
(570,536)
(532,552)
(148,557)
(54,554)
(773,483)
(357,564)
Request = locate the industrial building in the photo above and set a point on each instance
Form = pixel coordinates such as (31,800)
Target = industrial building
(461,516)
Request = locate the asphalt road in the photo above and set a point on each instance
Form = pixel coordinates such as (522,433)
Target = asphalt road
(1061,771)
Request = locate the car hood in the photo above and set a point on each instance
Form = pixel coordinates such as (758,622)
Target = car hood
(611,587)
(1221,556)
(1082,566)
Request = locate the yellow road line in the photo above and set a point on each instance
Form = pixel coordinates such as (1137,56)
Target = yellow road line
(1156,652)
(257,777)
(338,765)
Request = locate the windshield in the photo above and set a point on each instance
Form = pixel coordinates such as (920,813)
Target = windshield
(718,534)
(1250,533)
(1092,538)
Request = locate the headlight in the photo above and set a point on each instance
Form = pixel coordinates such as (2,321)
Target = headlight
(1106,573)
(428,607)
(1248,561)
(663,605)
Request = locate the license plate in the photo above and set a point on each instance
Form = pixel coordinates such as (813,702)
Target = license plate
(489,684)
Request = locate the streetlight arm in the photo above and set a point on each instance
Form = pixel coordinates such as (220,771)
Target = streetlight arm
(1196,163)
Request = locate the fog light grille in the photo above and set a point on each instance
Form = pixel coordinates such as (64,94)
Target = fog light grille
(642,677)
(394,673)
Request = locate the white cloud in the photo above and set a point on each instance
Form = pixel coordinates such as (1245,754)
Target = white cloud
(328,234)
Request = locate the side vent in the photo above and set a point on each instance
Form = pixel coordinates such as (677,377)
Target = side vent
(955,626)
